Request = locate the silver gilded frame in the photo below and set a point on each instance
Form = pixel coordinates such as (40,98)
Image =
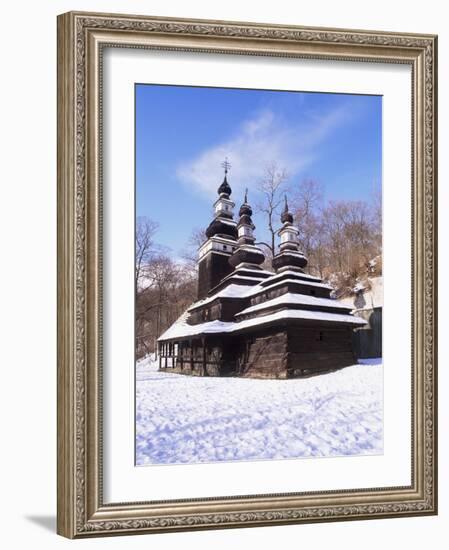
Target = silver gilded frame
(81,40)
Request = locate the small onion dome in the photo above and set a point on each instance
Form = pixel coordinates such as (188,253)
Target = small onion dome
(245,219)
(245,209)
(225,188)
(286,216)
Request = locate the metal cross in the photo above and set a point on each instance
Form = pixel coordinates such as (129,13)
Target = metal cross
(226,165)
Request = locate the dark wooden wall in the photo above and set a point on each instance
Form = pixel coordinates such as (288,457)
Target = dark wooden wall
(320,349)
(276,352)
(264,356)
(211,270)
(367,341)
(296,351)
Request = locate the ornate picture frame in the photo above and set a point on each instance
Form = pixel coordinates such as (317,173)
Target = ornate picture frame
(82,38)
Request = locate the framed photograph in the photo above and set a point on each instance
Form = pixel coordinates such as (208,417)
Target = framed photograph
(246,274)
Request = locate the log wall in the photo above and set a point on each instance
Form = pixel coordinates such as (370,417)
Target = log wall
(265,356)
(291,352)
(315,350)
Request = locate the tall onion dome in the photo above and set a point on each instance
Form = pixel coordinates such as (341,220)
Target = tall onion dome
(223,223)
(289,256)
(214,253)
(246,253)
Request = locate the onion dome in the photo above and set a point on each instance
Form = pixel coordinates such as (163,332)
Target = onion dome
(225,188)
(246,209)
(246,251)
(246,212)
(286,216)
(289,255)
(223,223)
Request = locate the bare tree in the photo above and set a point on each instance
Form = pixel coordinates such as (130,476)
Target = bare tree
(305,203)
(351,241)
(342,239)
(145,245)
(271,186)
(196,239)
(170,286)
(376,200)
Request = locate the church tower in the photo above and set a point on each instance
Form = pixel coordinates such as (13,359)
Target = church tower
(289,256)
(246,255)
(214,254)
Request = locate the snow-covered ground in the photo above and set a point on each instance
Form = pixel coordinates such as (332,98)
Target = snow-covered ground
(186,419)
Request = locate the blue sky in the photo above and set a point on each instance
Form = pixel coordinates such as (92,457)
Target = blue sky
(183,134)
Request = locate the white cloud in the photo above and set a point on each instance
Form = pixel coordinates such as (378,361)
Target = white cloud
(261,140)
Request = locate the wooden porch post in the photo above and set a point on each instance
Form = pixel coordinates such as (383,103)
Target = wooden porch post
(165,354)
(180,350)
(203,341)
(191,355)
(158,346)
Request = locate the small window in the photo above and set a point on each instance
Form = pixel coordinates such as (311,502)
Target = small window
(320,336)
(225,247)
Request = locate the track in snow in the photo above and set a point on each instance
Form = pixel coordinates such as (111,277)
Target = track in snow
(185,419)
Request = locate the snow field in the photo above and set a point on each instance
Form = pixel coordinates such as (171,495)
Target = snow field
(184,419)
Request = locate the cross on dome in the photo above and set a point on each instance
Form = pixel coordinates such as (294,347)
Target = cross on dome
(225,188)
(226,165)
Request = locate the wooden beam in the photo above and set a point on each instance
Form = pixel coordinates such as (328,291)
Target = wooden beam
(180,349)
(203,341)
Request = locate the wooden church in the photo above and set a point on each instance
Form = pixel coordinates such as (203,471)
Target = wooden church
(251,322)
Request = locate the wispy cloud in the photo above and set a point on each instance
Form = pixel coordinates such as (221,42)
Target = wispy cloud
(259,141)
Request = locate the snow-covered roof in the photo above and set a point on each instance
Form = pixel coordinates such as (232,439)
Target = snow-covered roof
(244,291)
(180,322)
(293,273)
(244,271)
(227,220)
(247,278)
(244,266)
(270,286)
(292,253)
(180,329)
(230,291)
(296,299)
(250,247)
